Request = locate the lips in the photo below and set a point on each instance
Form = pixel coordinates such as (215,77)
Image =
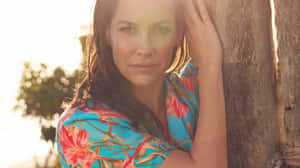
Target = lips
(143,65)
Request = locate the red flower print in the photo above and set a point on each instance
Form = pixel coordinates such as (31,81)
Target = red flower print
(193,77)
(175,107)
(76,148)
(188,83)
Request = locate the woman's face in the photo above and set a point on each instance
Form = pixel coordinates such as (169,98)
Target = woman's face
(142,36)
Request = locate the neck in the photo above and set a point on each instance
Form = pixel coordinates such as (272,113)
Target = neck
(152,95)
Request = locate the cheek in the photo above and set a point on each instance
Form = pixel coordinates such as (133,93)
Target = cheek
(160,41)
(165,46)
(166,52)
(167,56)
(122,49)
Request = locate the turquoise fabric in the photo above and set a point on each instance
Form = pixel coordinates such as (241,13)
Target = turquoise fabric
(94,135)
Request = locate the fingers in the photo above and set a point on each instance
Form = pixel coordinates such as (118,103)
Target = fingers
(203,11)
(195,11)
(192,16)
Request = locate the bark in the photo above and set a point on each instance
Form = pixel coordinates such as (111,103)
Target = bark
(288,27)
(244,27)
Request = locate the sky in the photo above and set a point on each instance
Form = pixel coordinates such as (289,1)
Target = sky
(37,31)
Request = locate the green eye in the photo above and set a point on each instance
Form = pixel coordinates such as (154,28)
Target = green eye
(128,29)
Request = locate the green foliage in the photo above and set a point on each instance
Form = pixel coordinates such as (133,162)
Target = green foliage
(41,95)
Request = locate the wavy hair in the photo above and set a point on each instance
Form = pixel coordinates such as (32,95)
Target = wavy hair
(103,81)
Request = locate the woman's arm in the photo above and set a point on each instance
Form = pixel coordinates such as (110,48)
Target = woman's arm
(210,144)
(209,148)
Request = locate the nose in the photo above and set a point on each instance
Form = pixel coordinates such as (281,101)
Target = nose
(145,46)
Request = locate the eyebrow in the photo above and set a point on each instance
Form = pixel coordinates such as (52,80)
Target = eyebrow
(128,22)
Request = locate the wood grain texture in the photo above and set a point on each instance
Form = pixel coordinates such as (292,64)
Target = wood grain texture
(288,27)
(245,30)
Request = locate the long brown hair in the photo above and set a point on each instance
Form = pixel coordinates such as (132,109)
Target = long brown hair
(103,81)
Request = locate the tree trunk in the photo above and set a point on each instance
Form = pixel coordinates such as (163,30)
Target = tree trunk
(288,26)
(245,30)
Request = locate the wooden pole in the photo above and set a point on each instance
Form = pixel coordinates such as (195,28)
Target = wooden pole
(288,28)
(249,80)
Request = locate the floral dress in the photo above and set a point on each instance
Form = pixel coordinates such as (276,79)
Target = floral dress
(94,135)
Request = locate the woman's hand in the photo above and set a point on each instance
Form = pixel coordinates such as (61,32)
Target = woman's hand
(202,38)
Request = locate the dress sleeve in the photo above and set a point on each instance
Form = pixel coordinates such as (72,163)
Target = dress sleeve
(189,80)
(100,138)
(190,71)
(183,103)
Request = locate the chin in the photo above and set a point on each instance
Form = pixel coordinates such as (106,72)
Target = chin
(143,81)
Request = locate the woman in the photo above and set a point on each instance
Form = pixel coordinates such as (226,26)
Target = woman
(133,109)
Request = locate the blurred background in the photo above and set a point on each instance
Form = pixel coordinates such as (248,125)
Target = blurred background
(41,55)
(41,51)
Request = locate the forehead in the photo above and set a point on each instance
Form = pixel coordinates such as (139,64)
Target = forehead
(145,11)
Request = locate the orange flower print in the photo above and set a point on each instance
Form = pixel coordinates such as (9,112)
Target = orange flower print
(175,107)
(76,148)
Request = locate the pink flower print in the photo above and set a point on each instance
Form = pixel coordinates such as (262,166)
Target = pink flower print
(76,148)
(175,107)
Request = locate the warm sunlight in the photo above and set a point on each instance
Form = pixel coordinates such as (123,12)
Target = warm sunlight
(274,29)
(160,82)
(36,31)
